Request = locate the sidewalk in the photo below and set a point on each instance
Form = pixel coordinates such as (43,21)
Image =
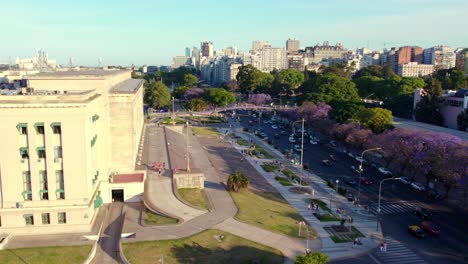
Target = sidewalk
(365,223)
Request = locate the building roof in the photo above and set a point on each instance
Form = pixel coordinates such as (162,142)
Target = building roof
(126,178)
(91,73)
(127,86)
(461,93)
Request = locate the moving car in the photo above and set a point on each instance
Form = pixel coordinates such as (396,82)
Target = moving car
(356,170)
(326,162)
(350,154)
(333,143)
(360,159)
(430,227)
(350,196)
(351,182)
(313,142)
(405,180)
(418,186)
(384,171)
(423,213)
(276,136)
(332,157)
(297,148)
(292,140)
(283,132)
(274,127)
(366,181)
(416,231)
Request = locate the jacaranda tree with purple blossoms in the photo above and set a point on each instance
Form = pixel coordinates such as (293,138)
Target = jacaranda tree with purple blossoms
(259,99)
(193,93)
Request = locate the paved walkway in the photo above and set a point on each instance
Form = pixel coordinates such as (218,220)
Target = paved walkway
(362,221)
(158,189)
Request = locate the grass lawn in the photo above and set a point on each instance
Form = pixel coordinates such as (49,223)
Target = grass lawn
(268,211)
(155,219)
(261,153)
(205,131)
(268,167)
(243,142)
(283,181)
(291,175)
(194,196)
(328,217)
(168,120)
(45,255)
(211,246)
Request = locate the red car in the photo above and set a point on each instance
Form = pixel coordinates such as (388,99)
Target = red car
(366,181)
(430,227)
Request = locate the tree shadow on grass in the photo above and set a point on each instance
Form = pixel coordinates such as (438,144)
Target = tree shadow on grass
(196,253)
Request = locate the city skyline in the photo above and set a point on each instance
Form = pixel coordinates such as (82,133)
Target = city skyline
(152,33)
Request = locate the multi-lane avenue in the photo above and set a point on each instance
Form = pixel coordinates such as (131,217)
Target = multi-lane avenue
(398,200)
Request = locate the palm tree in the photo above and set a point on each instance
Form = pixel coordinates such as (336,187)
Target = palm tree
(237,181)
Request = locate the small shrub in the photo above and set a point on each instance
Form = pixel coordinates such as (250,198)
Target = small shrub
(342,191)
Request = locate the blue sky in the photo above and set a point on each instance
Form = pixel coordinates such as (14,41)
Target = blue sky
(152,32)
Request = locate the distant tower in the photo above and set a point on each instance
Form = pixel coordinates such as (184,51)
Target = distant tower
(100,62)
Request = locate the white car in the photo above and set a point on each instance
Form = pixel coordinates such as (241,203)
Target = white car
(359,159)
(405,180)
(418,186)
(384,171)
(292,140)
(313,142)
(351,155)
(274,127)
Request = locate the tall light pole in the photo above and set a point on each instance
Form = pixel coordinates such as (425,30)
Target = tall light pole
(302,147)
(380,191)
(361,170)
(172,107)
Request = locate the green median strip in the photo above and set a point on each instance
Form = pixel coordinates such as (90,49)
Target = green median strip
(46,255)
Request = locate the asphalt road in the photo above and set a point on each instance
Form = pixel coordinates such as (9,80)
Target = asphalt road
(398,202)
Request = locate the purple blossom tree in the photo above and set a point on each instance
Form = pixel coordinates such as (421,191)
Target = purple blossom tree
(193,93)
(312,112)
(259,99)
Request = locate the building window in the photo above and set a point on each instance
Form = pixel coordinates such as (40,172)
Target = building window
(29,219)
(60,184)
(22,128)
(58,152)
(24,131)
(62,218)
(27,194)
(24,152)
(45,218)
(41,153)
(56,128)
(44,191)
(40,130)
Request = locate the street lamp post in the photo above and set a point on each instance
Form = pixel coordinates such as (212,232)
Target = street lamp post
(380,191)
(361,170)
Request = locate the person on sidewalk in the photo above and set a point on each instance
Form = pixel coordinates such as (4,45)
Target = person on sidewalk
(309,207)
(385,247)
(381,247)
(354,242)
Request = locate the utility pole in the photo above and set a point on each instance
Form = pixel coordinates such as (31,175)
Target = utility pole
(187,158)
(172,107)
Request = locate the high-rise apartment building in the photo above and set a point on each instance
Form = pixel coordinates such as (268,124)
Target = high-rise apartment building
(462,60)
(413,69)
(230,51)
(69,143)
(318,53)
(179,61)
(258,45)
(273,58)
(207,49)
(292,45)
(187,52)
(442,57)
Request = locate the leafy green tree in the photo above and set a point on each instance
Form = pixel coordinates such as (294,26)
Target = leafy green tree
(179,92)
(341,69)
(428,109)
(157,95)
(376,119)
(237,181)
(312,258)
(189,80)
(451,79)
(331,87)
(219,96)
(368,85)
(371,70)
(409,84)
(387,71)
(196,104)
(401,105)
(462,120)
(248,78)
(265,83)
(344,110)
(289,79)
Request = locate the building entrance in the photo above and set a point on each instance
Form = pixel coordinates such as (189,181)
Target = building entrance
(118,195)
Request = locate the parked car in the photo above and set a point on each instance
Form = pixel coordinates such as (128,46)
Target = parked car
(430,227)
(332,157)
(423,213)
(433,194)
(384,171)
(355,169)
(351,182)
(418,186)
(366,181)
(326,162)
(405,180)
(350,196)
(416,231)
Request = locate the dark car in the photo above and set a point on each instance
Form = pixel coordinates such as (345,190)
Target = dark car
(430,227)
(433,194)
(366,181)
(351,182)
(350,196)
(332,157)
(416,231)
(423,213)
(326,162)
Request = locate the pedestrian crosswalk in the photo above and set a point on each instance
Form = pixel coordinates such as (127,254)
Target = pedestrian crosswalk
(397,253)
(396,207)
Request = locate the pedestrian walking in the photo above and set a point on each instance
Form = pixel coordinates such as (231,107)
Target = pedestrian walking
(385,247)
(309,207)
(354,243)
(381,247)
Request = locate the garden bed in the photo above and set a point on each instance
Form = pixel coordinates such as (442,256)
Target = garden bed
(269,167)
(283,181)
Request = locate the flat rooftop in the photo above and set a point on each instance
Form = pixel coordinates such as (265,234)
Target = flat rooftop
(127,86)
(78,73)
